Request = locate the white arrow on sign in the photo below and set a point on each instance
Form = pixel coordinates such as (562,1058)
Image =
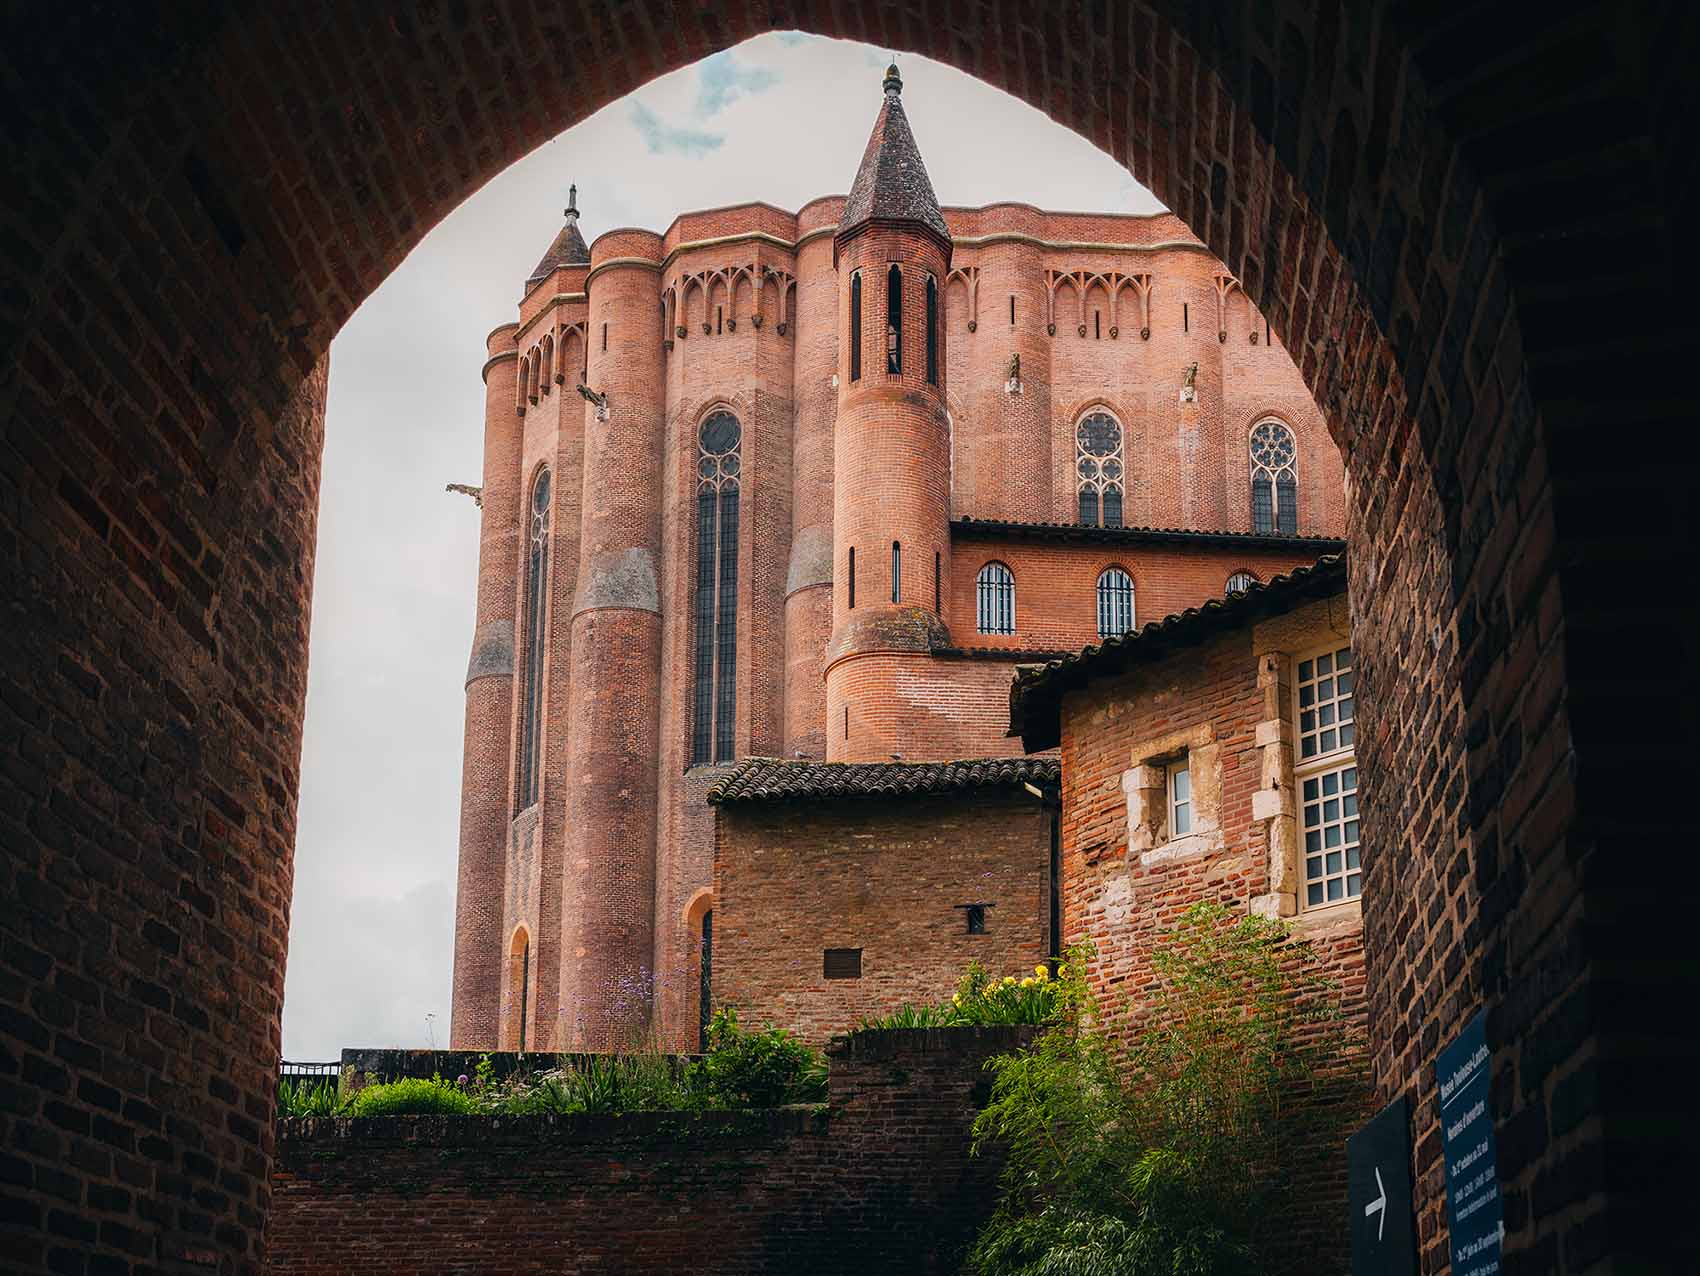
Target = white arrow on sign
(1379,1204)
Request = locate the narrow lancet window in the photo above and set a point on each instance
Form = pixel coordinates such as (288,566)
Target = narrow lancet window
(932,332)
(894,320)
(536,621)
(856,326)
(714,693)
(896,572)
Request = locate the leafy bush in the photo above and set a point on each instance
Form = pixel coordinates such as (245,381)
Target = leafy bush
(1170,1159)
(981,1000)
(909,1016)
(764,1069)
(306,1097)
(412,1096)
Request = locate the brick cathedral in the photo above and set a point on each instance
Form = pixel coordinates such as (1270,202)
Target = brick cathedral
(812,489)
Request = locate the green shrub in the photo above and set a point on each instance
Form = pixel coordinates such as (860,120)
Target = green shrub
(1167,1155)
(412,1096)
(306,1097)
(764,1069)
(909,1016)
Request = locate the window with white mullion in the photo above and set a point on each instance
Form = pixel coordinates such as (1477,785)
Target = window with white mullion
(1327,777)
(1180,799)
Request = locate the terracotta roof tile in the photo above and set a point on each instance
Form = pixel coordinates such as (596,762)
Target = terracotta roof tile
(892,183)
(1004,529)
(1035,695)
(781,780)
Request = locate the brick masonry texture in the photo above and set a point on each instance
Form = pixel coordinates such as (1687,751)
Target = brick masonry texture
(880,1179)
(1478,274)
(1123,892)
(887,876)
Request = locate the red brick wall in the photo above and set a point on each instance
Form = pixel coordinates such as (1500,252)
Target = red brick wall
(882,1181)
(794,878)
(1124,900)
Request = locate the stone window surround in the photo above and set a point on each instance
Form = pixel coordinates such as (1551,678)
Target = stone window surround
(1275,803)
(1146,784)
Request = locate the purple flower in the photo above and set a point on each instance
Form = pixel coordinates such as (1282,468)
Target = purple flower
(463,1079)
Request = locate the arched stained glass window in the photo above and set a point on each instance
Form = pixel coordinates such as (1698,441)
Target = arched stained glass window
(714,697)
(894,320)
(536,622)
(856,326)
(1274,480)
(1099,469)
(1115,603)
(994,600)
(1239,582)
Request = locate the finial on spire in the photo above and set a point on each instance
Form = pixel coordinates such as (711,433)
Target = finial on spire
(572,200)
(893,82)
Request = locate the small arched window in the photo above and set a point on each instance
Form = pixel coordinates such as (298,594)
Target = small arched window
(856,326)
(1239,582)
(894,320)
(536,621)
(1115,603)
(1274,480)
(713,722)
(896,571)
(1098,469)
(994,600)
(932,331)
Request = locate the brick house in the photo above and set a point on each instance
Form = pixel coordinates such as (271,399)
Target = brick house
(831,477)
(1211,755)
(846,889)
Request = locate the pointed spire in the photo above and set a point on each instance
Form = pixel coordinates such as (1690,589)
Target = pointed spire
(568,248)
(892,183)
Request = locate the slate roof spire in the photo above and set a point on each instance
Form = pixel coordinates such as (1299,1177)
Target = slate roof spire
(892,184)
(568,249)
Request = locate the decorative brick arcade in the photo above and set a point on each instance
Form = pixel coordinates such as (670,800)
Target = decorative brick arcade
(1461,220)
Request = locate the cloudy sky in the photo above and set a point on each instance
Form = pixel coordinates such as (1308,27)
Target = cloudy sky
(782,118)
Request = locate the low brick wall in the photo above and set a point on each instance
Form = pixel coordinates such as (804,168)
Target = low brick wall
(878,1180)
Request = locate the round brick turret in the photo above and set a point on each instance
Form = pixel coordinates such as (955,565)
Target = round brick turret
(489,709)
(891,489)
(607,898)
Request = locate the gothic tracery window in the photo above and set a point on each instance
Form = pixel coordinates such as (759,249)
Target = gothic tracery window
(1274,479)
(536,620)
(1099,469)
(714,700)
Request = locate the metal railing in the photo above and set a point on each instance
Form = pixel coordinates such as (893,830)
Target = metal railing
(288,1070)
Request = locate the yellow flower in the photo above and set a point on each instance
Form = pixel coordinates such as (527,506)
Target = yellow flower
(1063,969)
(1008,980)
(1027,982)
(956,997)
(1041,972)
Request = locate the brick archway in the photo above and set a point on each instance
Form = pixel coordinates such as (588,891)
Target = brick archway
(1463,226)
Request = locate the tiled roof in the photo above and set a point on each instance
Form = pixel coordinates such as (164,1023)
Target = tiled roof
(781,780)
(892,183)
(1082,532)
(1035,696)
(569,249)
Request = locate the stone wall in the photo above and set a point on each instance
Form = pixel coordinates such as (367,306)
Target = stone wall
(878,1180)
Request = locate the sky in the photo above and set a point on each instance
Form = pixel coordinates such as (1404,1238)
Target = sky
(782,118)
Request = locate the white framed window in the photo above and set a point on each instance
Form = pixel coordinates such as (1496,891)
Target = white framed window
(1180,799)
(1115,603)
(1326,704)
(1327,776)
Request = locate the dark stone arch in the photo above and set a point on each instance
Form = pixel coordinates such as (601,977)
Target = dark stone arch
(1462,220)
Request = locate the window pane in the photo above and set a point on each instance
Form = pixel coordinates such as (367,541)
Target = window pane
(1313,894)
(1183,820)
(1183,785)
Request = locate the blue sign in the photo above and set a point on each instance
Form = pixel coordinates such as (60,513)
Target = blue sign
(1474,1211)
